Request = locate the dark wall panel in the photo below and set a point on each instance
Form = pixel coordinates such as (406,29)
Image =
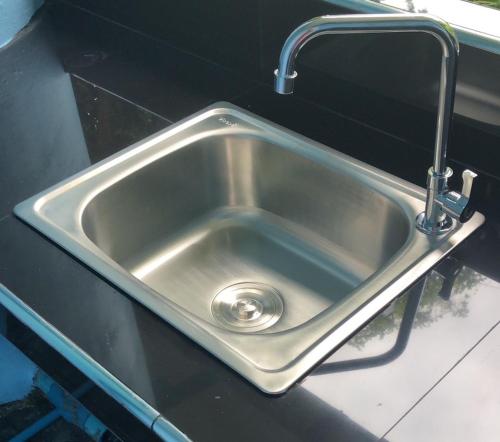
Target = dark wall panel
(389,82)
(224,31)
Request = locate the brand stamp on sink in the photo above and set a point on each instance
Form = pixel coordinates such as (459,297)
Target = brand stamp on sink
(227,122)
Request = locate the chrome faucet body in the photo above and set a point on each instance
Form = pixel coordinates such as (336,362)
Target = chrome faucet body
(441,204)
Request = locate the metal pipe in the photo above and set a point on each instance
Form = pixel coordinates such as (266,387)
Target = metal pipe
(383,23)
(36,427)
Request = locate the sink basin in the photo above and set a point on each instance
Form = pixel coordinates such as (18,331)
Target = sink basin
(266,248)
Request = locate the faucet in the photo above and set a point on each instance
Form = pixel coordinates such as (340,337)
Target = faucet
(442,205)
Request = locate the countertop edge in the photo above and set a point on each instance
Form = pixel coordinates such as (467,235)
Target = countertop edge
(149,416)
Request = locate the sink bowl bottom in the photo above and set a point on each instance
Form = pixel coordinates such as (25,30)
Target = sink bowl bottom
(242,245)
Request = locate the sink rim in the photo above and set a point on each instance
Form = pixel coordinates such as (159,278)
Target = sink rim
(271,380)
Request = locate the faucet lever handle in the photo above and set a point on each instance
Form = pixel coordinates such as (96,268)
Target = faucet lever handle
(468,179)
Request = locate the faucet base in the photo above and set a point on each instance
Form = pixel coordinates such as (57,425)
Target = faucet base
(439,228)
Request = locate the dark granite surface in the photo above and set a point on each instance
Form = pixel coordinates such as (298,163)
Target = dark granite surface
(54,124)
(469,409)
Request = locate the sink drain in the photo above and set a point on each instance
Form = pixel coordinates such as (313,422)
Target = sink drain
(247,307)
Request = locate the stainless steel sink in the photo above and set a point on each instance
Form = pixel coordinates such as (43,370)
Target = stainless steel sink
(266,248)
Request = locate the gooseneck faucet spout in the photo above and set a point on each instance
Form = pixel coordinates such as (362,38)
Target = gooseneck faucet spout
(441,204)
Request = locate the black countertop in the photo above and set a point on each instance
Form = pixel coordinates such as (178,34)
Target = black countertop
(67,103)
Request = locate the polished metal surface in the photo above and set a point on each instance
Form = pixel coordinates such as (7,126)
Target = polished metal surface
(247,306)
(225,201)
(441,203)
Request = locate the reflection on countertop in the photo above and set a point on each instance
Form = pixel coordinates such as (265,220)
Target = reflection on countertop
(442,331)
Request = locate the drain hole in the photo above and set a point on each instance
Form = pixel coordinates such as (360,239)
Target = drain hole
(247,306)
(247,309)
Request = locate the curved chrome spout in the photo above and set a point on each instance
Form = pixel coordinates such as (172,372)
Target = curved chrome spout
(441,204)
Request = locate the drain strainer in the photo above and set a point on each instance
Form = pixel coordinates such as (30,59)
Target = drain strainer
(247,306)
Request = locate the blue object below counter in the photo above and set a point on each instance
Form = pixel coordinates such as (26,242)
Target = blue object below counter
(14,16)
(95,372)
